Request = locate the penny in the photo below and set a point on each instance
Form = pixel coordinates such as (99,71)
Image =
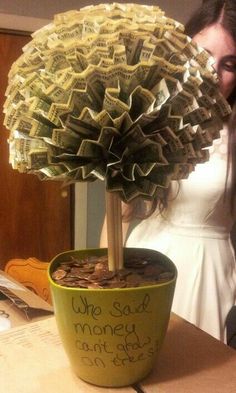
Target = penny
(94,276)
(93,273)
(69,279)
(116,284)
(94,285)
(75,270)
(89,268)
(134,278)
(153,270)
(165,276)
(59,274)
(83,283)
(107,275)
(101,266)
(148,283)
(122,273)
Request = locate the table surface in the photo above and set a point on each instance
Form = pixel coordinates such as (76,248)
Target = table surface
(32,360)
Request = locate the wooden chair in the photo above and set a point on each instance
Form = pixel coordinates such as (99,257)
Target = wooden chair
(32,273)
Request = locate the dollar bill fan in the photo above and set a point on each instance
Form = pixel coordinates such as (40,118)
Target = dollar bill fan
(116,92)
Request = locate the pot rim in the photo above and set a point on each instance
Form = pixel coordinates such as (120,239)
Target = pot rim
(149,287)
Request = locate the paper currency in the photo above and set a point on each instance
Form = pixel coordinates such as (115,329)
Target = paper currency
(115,92)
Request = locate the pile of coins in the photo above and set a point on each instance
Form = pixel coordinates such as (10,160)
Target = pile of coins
(93,272)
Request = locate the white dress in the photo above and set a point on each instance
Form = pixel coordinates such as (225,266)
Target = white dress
(194,233)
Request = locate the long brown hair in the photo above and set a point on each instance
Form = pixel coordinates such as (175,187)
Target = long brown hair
(223,12)
(210,12)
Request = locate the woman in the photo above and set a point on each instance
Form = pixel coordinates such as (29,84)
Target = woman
(194,227)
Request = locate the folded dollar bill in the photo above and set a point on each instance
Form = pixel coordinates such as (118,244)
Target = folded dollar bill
(115,92)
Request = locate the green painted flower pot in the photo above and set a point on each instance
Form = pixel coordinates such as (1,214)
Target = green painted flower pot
(112,336)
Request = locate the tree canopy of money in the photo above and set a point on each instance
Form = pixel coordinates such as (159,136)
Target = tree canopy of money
(115,92)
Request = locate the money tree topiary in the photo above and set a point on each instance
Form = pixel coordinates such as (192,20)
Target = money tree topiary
(115,92)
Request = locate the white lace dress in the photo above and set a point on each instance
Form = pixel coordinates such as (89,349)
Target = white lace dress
(194,234)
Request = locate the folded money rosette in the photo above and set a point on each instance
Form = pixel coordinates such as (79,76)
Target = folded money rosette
(116,92)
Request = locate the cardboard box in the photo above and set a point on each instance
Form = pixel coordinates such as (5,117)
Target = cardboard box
(32,360)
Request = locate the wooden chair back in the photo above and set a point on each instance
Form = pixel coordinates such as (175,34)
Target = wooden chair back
(32,273)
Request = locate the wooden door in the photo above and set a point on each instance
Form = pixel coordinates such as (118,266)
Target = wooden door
(36,218)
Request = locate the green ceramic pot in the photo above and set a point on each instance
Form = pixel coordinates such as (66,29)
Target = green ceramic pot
(112,336)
